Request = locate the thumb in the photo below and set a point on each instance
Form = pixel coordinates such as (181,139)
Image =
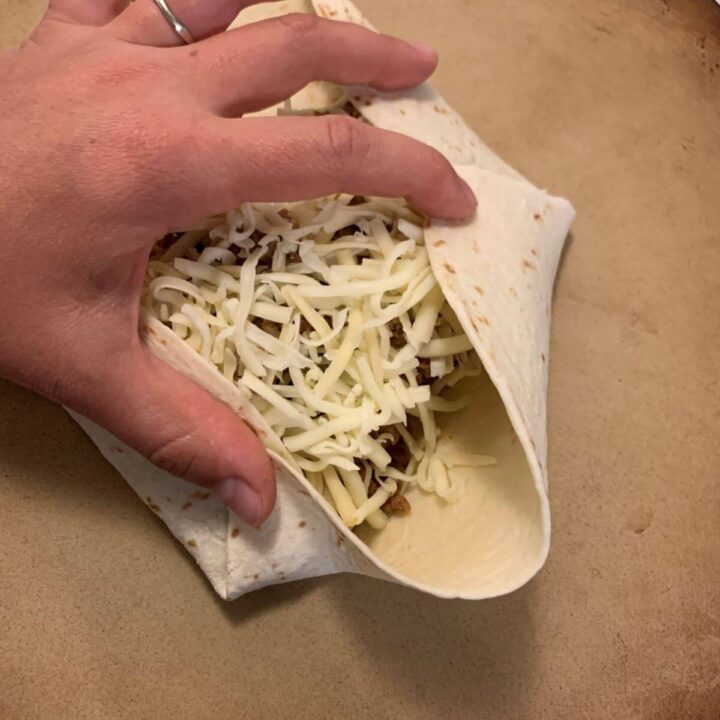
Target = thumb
(184,430)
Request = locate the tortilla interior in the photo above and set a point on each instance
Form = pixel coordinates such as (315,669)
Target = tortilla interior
(482,543)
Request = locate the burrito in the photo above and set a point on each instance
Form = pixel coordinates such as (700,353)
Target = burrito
(394,367)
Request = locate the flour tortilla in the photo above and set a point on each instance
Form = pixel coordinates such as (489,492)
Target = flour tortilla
(497,272)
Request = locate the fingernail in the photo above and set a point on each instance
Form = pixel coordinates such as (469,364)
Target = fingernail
(468,193)
(428,50)
(241,499)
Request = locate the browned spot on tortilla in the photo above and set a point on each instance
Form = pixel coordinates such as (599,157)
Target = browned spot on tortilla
(449,268)
(304,492)
(357,98)
(527,265)
(478,290)
(154,507)
(540,464)
(476,247)
(167,498)
(256,576)
(302,523)
(514,440)
(440,109)
(512,291)
(234,532)
(534,252)
(148,499)
(201,495)
(532,442)
(273,565)
(537,216)
(163,341)
(340,539)
(191,543)
(401,111)
(186,506)
(483,319)
(474,324)
(542,355)
(368,103)
(116,449)
(439,243)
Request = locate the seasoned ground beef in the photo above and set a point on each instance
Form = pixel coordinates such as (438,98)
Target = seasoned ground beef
(268,326)
(400,455)
(422,374)
(397,335)
(293,257)
(386,430)
(397,504)
(348,231)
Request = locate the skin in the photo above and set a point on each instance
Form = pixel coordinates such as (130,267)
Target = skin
(113,133)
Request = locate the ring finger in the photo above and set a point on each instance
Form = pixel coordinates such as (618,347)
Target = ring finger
(259,65)
(143,21)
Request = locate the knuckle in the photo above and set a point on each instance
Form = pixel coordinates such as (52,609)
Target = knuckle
(177,455)
(348,140)
(149,153)
(141,67)
(299,25)
(436,169)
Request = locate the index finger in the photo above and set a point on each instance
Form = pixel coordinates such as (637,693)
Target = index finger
(298,158)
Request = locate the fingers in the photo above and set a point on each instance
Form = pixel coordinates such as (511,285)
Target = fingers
(185,431)
(85,12)
(296,158)
(263,63)
(144,24)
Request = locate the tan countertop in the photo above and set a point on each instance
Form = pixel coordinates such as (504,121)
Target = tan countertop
(615,105)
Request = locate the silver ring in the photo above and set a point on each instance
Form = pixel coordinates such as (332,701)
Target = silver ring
(182,32)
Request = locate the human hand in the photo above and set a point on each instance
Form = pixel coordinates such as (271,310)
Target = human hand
(112,135)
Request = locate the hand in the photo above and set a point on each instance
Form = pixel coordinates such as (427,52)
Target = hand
(112,135)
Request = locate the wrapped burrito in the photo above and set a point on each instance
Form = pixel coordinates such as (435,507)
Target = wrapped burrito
(394,367)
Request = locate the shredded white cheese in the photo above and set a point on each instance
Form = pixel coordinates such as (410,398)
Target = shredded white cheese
(328,313)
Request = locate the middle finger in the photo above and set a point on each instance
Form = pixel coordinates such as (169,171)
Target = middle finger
(256,66)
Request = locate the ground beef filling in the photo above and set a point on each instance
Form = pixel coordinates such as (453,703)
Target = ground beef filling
(391,439)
